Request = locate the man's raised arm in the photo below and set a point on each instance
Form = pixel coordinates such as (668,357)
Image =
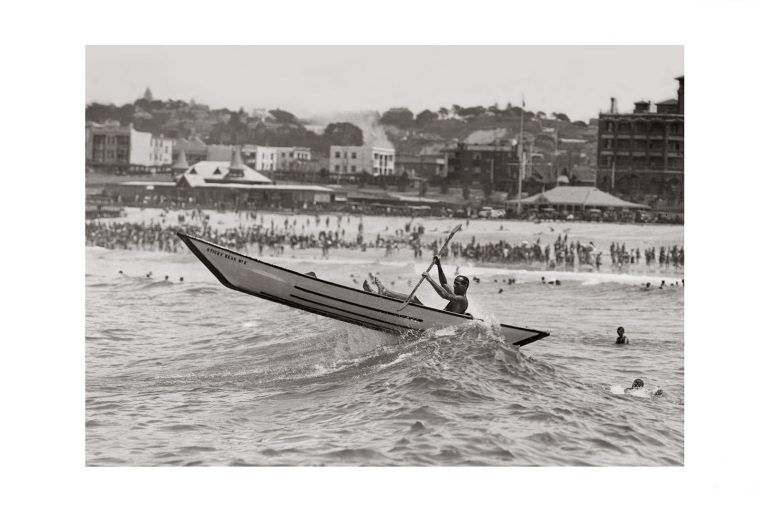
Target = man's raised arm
(441,291)
(441,275)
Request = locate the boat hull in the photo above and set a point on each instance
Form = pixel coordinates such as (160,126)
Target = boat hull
(332,300)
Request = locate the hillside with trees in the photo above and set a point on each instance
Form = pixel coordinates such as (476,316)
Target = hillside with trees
(177,118)
(554,139)
(410,133)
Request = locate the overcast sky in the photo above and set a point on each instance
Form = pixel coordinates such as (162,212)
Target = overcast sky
(319,80)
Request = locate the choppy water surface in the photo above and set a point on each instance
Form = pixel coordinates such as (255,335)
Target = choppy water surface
(191,373)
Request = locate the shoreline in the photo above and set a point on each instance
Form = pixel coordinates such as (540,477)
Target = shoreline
(483,231)
(529,273)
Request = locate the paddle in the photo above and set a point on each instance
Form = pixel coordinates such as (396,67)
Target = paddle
(439,253)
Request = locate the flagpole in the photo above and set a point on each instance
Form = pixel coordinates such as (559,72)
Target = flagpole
(530,164)
(493,160)
(521,166)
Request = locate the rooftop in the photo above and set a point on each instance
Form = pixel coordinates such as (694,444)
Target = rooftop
(580,196)
(218,170)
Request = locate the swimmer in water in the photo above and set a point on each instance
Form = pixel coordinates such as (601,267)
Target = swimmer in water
(637,384)
(622,339)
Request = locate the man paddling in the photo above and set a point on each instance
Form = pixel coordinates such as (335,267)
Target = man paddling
(457,298)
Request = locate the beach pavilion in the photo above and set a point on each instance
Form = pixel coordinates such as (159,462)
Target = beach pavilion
(223,184)
(576,199)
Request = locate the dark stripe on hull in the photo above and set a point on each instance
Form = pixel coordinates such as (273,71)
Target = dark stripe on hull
(327,314)
(400,327)
(263,295)
(267,296)
(357,305)
(304,276)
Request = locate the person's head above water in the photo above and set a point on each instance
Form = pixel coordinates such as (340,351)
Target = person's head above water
(460,285)
(638,383)
(620,330)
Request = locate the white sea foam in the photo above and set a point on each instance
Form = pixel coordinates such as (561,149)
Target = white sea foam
(399,359)
(414,269)
(644,392)
(586,278)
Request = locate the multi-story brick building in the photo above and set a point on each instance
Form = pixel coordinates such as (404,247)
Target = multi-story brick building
(494,166)
(429,167)
(122,149)
(640,155)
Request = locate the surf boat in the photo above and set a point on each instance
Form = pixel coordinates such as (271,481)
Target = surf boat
(332,300)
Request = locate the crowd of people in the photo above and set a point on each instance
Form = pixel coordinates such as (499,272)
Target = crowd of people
(562,254)
(557,254)
(343,232)
(159,237)
(275,236)
(666,256)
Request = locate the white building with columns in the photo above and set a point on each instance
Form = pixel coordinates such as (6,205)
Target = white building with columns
(374,160)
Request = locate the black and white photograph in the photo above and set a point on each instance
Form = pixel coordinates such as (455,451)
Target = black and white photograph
(400,266)
(452,256)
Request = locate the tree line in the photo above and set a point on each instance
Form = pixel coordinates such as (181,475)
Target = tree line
(178,118)
(404,118)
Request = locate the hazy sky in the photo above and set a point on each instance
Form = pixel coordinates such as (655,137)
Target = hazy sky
(306,80)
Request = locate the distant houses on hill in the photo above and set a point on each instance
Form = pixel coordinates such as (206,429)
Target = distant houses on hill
(638,156)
